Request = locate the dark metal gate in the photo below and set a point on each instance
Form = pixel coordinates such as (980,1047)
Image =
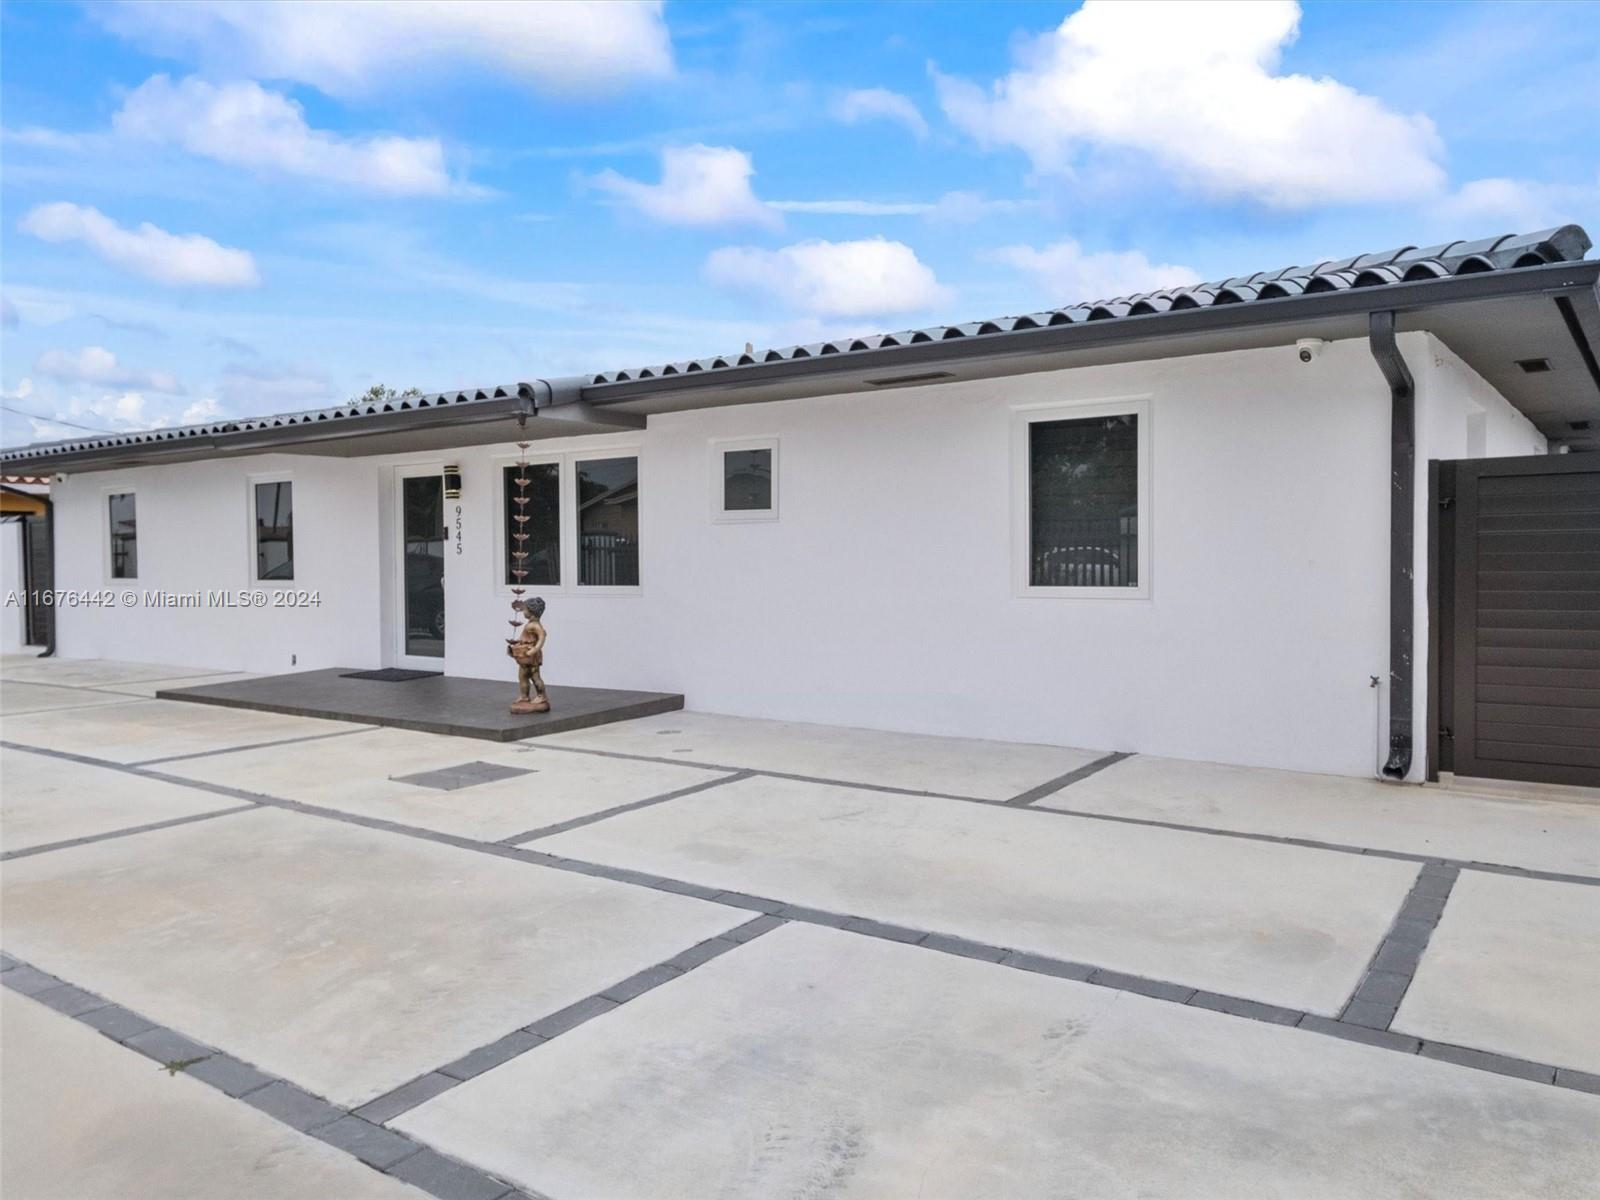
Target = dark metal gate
(38,579)
(1516,560)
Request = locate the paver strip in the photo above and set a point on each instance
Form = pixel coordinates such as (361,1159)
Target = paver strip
(288,741)
(385,1150)
(1558,1076)
(518,839)
(1051,786)
(815,1063)
(1378,995)
(85,1119)
(88,839)
(348,959)
(1244,835)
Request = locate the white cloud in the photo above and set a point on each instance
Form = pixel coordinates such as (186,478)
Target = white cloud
(1194,87)
(271,389)
(346,47)
(200,412)
(245,125)
(47,139)
(966,208)
(1071,276)
(700,185)
(1485,207)
(96,364)
(178,260)
(831,279)
(879,104)
(853,208)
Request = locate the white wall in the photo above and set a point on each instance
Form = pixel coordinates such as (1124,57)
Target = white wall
(13,618)
(194,534)
(883,596)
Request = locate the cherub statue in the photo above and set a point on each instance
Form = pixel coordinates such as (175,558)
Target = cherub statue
(527,649)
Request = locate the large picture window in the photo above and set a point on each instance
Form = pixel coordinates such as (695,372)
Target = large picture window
(274,530)
(1084,501)
(124,536)
(608,522)
(539,520)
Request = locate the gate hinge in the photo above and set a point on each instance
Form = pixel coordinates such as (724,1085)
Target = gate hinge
(1447,732)
(1447,501)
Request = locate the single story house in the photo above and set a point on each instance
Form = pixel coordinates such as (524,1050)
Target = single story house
(1306,518)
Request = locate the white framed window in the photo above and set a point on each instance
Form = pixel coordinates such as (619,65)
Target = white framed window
(1081,499)
(271,506)
(744,479)
(122,534)
(602,495)
(544,529)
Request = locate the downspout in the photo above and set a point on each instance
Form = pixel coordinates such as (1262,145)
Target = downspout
(50,552)
(1402,537)
(546,393)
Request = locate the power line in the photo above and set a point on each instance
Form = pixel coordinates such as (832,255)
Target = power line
(22,412)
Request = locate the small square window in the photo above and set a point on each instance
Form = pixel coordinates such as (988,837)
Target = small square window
(744,480)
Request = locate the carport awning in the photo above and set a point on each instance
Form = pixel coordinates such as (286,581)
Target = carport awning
(15,503)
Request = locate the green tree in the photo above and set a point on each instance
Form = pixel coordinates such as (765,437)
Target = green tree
(378,393)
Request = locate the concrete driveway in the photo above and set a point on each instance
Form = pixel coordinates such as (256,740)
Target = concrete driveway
(699,956)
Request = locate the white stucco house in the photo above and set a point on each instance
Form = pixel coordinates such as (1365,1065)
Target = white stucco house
(1226,522)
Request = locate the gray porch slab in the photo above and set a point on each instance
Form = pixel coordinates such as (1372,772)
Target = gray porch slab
(447,704)
(811,1062)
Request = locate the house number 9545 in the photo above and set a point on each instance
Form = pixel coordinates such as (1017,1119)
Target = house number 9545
(458,529)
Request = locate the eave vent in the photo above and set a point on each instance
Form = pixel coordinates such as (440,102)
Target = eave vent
(1534,366)
(908,380)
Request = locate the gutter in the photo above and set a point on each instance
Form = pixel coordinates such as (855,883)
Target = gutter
(1402,537)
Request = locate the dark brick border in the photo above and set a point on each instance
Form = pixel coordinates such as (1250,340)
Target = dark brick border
(1422,898)
(1031,806)
(384,1150)
(1051,786)
(1388,976)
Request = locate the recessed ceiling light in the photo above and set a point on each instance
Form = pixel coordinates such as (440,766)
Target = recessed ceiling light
(1534,366)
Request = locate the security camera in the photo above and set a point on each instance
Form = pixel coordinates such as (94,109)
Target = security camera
(1309,348)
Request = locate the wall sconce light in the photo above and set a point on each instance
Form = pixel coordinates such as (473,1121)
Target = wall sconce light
(452,482)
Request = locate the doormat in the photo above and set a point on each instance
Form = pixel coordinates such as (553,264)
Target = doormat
(392,675)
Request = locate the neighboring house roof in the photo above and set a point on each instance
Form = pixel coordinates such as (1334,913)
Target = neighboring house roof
(1407,278)
(22,501)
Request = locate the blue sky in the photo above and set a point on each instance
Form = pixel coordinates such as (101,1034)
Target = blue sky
(223,210)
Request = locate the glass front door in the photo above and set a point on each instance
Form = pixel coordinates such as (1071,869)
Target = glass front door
(422,506)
